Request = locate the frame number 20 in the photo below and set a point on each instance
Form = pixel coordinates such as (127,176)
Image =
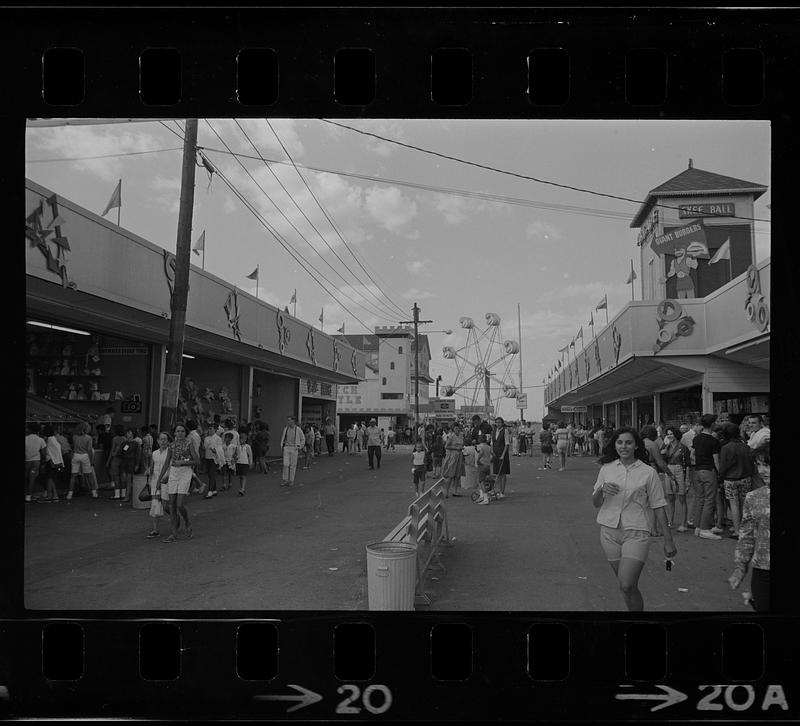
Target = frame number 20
(376,699)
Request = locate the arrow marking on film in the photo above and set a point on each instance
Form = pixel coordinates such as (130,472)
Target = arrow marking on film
(670,697)
(304,697)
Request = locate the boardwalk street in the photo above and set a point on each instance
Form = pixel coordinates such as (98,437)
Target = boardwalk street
(304,548)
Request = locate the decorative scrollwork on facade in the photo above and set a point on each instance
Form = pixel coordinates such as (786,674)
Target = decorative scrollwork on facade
(43,227)
(284,334)
(672,323)
(312,354)
(616,340)
(353,363)
(756,306)
(231,308)
(337,355)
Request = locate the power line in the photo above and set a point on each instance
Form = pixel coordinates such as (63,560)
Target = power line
(251,208)
(513,173)
(313,226)
(328,217)
(302,236)
(168,128)
(102,156)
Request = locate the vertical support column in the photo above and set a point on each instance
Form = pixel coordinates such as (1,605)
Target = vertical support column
(708,395)
(634,414)
(616,415)
(245,393)
(158,363)
(657,407)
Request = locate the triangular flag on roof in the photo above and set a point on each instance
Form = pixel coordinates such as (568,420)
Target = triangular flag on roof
(321,316)
(116,199)
(723,253)
(580,334)
(591,320)
(632,276)
(200,245)
(286,309)
(294,297)
(340,330)
(254,274)
(603,304)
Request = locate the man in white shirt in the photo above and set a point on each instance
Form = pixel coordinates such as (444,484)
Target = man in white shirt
(759,434)
(373,443)
(34,445)
(292,440)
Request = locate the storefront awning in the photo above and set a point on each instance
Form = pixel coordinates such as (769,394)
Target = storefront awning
(638,376)
(45,301)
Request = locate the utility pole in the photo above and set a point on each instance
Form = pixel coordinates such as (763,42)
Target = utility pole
(416,321)
(519,327)
(180,292)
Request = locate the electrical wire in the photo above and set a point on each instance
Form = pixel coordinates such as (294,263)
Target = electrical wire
(486,167)
(302,236)
(328,217)
(169,128)
(313,226)
(102,156)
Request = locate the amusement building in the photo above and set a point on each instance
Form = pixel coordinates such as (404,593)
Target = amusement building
(698,339)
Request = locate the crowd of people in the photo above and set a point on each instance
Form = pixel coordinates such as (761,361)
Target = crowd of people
(643,487)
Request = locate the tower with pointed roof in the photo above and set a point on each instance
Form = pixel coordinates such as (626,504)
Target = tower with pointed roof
(700,207)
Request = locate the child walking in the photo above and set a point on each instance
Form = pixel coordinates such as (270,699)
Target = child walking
(418,468)
(231,453)
(244,461)
(155,470)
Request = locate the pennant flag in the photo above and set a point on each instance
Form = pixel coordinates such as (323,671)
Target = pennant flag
(723,253)
(559,364)
(200,245)
(341,330)
(254,274)
(115,201)
(286,310)
(294,297)
(591,320)
(580,334)
(321,316)
(603,304)
(632,276)
(572,344)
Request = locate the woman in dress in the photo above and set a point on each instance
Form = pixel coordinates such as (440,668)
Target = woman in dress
(453,464)
(562,444)
(629,495)
(181,459)
(501,461)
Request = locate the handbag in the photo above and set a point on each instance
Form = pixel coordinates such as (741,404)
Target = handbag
(145,495)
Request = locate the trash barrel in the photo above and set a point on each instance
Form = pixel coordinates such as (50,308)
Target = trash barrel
(139,482)
(391,575)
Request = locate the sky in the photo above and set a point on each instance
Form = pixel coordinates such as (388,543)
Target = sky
(555,255)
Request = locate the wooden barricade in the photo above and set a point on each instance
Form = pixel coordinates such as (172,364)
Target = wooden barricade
(425,525)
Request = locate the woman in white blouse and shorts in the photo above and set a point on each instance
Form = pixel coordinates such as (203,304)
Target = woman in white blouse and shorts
(629,495)
(180,464)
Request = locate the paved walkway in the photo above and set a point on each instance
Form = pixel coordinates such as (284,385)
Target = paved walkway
(304,548)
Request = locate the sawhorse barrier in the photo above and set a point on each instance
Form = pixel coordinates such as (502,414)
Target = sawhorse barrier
(425,525)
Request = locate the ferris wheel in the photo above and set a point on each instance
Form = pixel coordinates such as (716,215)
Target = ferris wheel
(483,366)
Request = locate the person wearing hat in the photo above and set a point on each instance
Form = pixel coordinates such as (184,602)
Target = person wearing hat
(373,443)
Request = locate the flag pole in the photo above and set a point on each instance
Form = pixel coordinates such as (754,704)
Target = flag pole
(606,308)
(204,255)
(119,208)
(295,303)
(631,280)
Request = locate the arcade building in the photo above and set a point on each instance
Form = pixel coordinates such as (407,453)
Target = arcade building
(698,340)
(98,307)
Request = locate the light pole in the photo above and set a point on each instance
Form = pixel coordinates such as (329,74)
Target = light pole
(416,321)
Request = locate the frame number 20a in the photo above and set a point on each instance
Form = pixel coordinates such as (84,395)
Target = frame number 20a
(740,697)
(376,699)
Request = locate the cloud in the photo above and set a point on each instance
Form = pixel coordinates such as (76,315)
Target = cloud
(452,208)
(169,189)
(382,127)
(417,294)
(80,141)
(389,207)
(420,267)
(229,204)
(542,230)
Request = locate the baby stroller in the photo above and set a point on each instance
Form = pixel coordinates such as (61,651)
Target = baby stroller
(488,485)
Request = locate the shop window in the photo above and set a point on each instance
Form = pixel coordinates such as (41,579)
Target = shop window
(400,349)
(391,366)
(391,396)
(682,406)
(383,381)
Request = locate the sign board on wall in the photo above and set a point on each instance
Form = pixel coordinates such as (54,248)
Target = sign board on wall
(439,405)
(522,401)
(573,409)
(317,389)
(689,211)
